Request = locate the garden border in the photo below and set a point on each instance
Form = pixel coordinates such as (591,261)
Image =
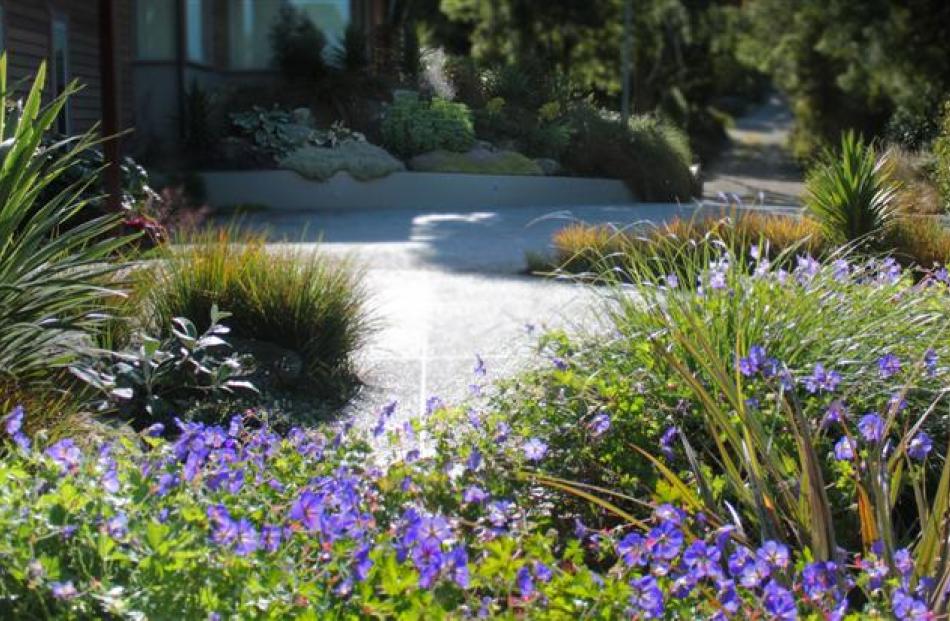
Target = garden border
(287,190)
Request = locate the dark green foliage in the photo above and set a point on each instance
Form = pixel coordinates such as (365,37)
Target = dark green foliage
(298,46)
(350,55)
(413,126)
(941,149)
(201,130)
(650,156)
(855,65)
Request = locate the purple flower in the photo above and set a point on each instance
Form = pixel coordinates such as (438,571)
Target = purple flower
(306,510)
(458,562)
(525,581)
(819,579)
(385,413)
(474,495)
(907,608)
(836,414)
(774,553)
(632,549)
(599,424)
(841,270)
(930,362)
(247,539)
(666,441)
(63,591)
(117,526)
(474,460)
(479,370)
(66,454)
(779,602)
(13,422)
(871,428)
(807,268)
(271,536)
(903,561)
(542,572)
(428,559)
(754,362)
(889,365)
(559,363)
(534,449)
(845,449)
(702,560)
(919,446)
(647,597)
(362,563)
(672,281)
(665,541)
(822,380)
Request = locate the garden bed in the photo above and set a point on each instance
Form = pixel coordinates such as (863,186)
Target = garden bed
(283,189)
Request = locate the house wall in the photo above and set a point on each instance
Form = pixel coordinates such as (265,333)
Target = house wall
(27,28)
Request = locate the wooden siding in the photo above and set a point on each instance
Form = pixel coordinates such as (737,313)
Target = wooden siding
(28,30)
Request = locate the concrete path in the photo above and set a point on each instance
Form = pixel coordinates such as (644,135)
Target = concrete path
(449,285)
(757,167)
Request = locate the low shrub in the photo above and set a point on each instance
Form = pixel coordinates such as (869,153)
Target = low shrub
(851,193)
(412,126)
(274,132)
(941,151)
(476,162)
(603,250)
(919,240)
(360,159)
(651,156)
(153,380)
(299,300)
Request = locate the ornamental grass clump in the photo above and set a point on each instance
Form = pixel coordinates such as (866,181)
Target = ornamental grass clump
(299,300)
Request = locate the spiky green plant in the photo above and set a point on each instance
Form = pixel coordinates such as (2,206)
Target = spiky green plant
(54,273)
(851,192)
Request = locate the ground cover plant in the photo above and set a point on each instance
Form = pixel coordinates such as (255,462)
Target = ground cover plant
(464,527)
(301,301)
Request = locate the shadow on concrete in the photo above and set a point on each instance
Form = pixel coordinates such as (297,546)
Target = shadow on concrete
(492,241)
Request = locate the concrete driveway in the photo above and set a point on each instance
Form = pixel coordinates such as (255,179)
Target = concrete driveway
(448,285)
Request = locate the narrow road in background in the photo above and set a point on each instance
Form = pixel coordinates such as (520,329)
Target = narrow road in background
(757,167)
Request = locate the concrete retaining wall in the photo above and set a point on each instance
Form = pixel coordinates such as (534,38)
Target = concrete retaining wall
(284,189)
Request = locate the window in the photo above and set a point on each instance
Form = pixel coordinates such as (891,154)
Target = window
(60,69)
(155,29)
(198,21)
(251,22)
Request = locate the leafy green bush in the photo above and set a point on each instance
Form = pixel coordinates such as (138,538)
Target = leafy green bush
(159,379)
(651,156)
(941,150)
(274,132)
(476,163)
(413,126)
(54,279)
(360,159)
(299,300)
(851,193)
